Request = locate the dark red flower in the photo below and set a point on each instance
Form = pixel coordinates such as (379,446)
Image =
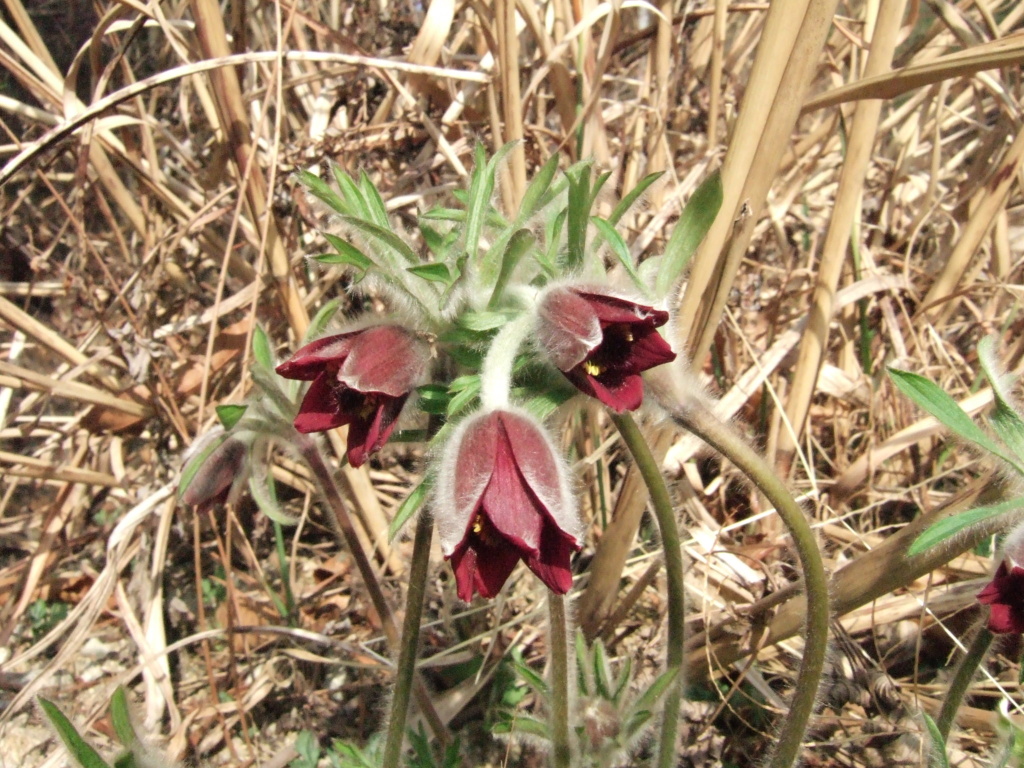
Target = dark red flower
(361,379)
(1005,595)
(602,343)
(502,497)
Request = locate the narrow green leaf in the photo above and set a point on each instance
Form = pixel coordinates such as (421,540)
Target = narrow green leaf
(346,253)
(385,237)
(230,414)
(261,349)
(322,190)
(939,531)
(435,272)
(433,398)
(601,671)
(518,722)
(621,250)
(521,241)
(321,319)
(690,230)
(83,754)
(484,321)
(596,189)
(648,700)
(622,681)
(482,189)
(408,508)
(121,718)
(532,679)
(578,215)
(536,190)
(937,745)
(439,244)
(582,657)
(931,398)
(374,202)
(632,196)
(353,195)
(462,399)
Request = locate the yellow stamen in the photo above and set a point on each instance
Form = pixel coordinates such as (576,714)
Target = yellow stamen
(592,368)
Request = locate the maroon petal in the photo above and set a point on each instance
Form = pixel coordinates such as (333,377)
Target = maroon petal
(619,392)
(368,435)
(482,568)
(552,564)
(612,309)
(386,359)
(509,504)
(648,351)
(308,362)
(1004,620)
(320,409)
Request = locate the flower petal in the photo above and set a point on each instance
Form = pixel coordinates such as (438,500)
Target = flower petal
(386,359)
(552,562)
(619,392)
(368,435)
(568,329)
(320,410)
(308,362)
(509,503)
(482,568)
(612,309)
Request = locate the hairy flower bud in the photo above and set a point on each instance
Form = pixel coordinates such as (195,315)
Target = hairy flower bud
(361,379)
(602,343)
(213,470)
(503,496)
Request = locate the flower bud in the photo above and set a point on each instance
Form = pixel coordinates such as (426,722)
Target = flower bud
(215,471)
(361,379)
(602,343)
(503,496)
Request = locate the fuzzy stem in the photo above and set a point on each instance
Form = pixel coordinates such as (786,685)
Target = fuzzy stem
(961,681)
(496,373)
(405,671)
(562,751)
(341,522)
(665,514)
(701,422)
(720,436)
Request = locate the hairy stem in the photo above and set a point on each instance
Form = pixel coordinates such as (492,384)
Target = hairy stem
(562,752)
(341,522)
(700,421)
(666,517)
(406,669)
(961,681)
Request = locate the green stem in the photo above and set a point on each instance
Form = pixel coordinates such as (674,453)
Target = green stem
(405,672)
(558,637)
(341,522)
(666,517)
(961,681)
(282,558)
(701,422)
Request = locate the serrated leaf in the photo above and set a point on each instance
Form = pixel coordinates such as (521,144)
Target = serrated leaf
(228,415)
(81,751)
(937,745)
(931,398)
(262,352)
(408,508)
(322,190)
(938,532)
(435,272)
(693,225)
(121,718)
(621,250)
(318,325)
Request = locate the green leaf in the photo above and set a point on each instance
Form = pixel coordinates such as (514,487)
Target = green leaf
(346,254)
(631,197)
(518,244)
(433,398)
(435,272)
(408,508)
(931,398)
(484,321)
(601,671)
(937,745)
(121,718)
(320,320)
(261,349)
(523,724)
(939,531)
(84,754)
(648,700)
(385,237)
(230,414)
(374,202)
(621,250)
(536,192)
(1006,422)
(622,681)
(322,190)
(264,493)
(353,195)
(690,231)
(578,214)
(582,664)
(463,398)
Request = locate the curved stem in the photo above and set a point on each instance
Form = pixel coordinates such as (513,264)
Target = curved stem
(666,517)
(562,751)
(406,668)
(700,421)
(341,522)
(961,681)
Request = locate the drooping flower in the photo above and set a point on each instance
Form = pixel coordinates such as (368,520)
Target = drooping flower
(1005,595)
(362,379)
(503,496)
(601,342)
(216,467)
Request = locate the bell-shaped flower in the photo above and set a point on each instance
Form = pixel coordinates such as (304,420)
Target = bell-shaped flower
(602,342)
(362,379)
(215,469)
(502,496)
(1005,593)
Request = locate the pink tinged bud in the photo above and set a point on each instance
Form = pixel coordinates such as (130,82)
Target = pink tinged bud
(211,485)
(602,343)
(502,497)
(361,379)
